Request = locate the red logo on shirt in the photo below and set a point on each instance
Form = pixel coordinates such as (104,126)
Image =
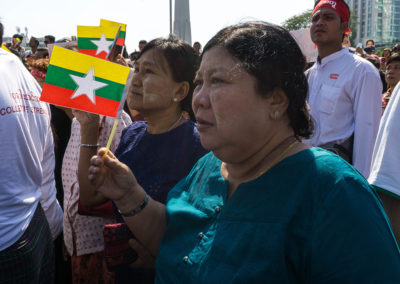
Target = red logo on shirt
(334,76)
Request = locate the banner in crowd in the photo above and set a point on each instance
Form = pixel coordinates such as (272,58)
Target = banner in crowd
(96,41)
(87,83)
(303,39)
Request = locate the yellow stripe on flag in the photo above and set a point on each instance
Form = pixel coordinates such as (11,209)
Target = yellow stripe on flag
(96,32)
(107,23)
(82,63)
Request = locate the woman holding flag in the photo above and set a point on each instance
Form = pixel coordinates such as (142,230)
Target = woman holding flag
(162,149)
(261,207)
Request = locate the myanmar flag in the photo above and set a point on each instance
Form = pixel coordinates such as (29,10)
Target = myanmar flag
(122,33)
(79,81)
(96,41)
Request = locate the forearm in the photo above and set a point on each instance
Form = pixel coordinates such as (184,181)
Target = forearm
(89,197)
(148,225)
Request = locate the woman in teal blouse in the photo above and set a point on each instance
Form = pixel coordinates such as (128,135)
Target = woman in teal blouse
(262,207)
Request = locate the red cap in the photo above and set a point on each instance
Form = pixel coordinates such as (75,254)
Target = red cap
(338,6)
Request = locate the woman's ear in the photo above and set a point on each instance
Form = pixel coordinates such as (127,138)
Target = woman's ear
(279,103)
(181,92)
(279,99)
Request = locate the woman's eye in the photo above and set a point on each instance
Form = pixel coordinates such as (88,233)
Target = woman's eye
(197,83)
(148,71)
(216,80)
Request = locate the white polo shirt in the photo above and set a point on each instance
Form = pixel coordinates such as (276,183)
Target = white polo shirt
(385,168)
(345,98)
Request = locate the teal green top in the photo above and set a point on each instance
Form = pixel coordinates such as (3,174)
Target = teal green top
(312,218)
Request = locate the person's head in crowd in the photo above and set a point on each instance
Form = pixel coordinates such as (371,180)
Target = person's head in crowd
(49,39)
(197,47)
(370,42)
(393,70)
(16,40)
(386,52)
(396,48)
(329,25)
(369,49)
(134,55)
(142,44)
(33,43)
(38,69)
(163,77)
(251,83)
(41,53)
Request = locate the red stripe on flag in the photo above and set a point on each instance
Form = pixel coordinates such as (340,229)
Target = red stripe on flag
(120,41)
(62,97)
(92,52)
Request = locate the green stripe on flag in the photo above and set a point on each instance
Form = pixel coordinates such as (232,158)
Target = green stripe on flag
(86,42)
(59,76)
(122,34)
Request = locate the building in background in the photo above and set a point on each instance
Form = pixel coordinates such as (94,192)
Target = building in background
(377,19)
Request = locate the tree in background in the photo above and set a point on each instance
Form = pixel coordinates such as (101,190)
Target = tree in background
(300,21)
(353,24)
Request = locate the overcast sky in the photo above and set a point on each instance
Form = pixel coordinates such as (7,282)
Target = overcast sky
(146,19)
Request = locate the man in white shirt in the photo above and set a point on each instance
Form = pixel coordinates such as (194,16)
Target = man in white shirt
(385,168)
(344,90)
(27,187)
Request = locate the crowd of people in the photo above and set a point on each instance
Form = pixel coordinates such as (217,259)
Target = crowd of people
(230,163)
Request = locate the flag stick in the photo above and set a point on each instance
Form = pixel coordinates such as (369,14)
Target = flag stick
(111,137)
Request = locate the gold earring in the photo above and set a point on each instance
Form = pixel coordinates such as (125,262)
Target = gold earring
(175,99)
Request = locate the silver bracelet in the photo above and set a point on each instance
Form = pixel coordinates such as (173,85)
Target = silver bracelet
(136,210)
(91,146)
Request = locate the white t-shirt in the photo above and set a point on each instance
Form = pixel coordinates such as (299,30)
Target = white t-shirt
(345,98)
(385,167)
(27,153)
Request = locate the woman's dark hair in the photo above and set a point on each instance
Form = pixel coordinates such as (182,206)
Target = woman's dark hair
(182,61)
(270,54)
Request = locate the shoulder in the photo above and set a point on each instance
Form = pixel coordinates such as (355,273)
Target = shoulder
(206,169)
(361,64)
(136,127)
(327,162)
(327,170)
(133,132)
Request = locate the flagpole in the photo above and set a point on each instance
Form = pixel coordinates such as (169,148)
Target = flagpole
(170,17)
(111,137)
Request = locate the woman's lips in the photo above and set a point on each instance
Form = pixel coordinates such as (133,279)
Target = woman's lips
(203,124)
(136,93)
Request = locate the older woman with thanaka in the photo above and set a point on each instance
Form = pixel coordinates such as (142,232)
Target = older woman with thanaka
(262,206)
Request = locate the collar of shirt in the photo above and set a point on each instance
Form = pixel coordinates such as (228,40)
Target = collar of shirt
(332,57)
